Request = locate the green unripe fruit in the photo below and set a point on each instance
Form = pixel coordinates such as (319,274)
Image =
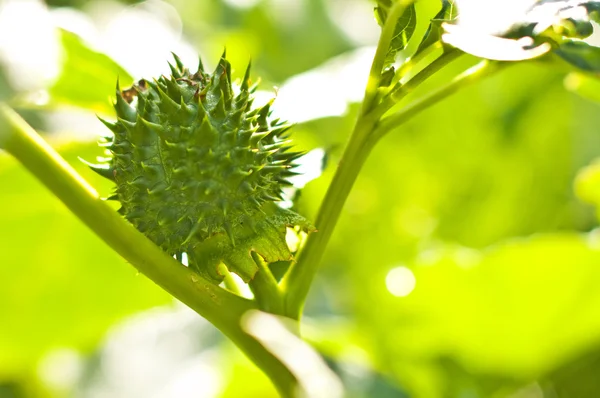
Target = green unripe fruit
(197,169)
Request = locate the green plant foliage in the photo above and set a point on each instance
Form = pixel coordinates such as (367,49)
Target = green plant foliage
(581,55)
(473,175)
(405,27)
(447,14)
(473,199)
(547,25)
(568,18)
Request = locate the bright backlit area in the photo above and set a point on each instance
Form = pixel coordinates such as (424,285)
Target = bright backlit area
(251,199)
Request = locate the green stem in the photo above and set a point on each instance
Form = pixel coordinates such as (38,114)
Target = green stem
(230,283)
(220,307)
(368,131)
(385,39)
(471,75)
(265,288)
(402,90)
(297,281)
(411,62)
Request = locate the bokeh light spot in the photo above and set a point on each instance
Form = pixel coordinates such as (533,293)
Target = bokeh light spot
(242,3)
(400,281)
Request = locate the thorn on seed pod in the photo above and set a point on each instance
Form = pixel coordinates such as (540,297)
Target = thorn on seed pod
(188,145)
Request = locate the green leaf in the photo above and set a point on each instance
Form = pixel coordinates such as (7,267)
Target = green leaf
(567,18)
(266,238)
(88,77)
(593,9)
(405,27)
(515,179)
(493,47)
(573,28)
(557,20)
(448,13)
(387,76)
(581,55)
(545,21)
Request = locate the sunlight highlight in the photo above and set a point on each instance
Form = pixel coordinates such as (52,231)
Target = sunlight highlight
(61,368)
(492,17)
(314,376)
(310,166)
(492,47)
(30,56)
(338,82)
(163,352)
(400,281)
(242,4)
(141,37)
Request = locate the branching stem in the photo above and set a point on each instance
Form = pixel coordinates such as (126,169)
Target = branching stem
(298,280)
(219,306)
(229,281)
(367,132)
(385,39)
(473,74)
(399,91)
(410,63)
(265,288)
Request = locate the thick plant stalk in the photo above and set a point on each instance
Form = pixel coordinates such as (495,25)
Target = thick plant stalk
(222,308)
(369,129)
(265,288)
(298,281)
(300,276)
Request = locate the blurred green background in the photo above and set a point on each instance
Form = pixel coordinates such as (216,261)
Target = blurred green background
(464,264)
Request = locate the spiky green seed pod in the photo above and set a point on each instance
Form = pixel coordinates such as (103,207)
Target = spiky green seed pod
(197,169)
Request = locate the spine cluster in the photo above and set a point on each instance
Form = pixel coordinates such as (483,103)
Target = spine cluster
(194,163)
